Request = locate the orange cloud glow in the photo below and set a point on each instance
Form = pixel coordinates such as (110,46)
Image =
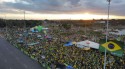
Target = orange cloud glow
(84,16)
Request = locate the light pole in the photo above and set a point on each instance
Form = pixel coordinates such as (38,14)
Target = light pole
(25,31)
(24,21)
(107,32)
(6,27)
(85,28)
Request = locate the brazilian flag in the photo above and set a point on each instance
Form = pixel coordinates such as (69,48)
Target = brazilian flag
(112,46)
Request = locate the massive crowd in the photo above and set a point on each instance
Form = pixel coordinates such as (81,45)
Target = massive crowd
(50,52)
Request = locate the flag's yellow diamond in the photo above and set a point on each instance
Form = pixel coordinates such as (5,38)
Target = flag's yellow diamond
(111,46)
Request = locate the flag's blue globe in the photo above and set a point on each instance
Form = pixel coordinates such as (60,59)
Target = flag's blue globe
(111,46)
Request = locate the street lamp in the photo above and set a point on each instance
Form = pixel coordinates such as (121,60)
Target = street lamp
(107,32)
(6,26)
(25,30)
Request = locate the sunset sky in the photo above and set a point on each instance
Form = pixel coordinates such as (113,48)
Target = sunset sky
(61,9)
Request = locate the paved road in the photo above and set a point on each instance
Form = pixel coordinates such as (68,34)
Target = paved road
(12,58)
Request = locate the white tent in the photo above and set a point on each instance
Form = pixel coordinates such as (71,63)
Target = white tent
(39,36)
(87,43)
(45,28)
(119,32)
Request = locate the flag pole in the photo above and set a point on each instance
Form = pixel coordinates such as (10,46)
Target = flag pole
(107,32)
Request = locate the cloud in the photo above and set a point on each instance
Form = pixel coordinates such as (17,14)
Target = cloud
(65,6)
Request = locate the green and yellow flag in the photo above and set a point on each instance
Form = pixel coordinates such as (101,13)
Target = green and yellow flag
(112,46)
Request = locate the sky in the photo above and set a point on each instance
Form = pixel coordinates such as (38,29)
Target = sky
(61,9)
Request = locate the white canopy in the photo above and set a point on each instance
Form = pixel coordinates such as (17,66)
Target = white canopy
(87,43)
